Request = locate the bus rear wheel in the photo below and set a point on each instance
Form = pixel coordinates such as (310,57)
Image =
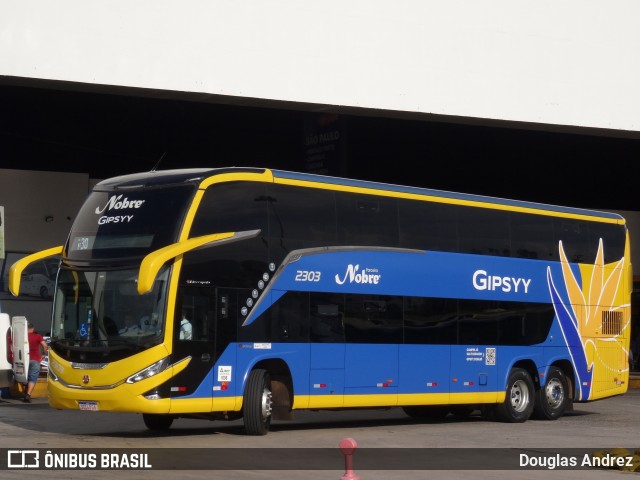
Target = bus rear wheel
(257,403)
(551,400)
(518,404)
(155,421)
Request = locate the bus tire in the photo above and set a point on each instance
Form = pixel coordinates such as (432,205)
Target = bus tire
(257,403)
(427,411)
(518,404)
(551,400)
(155,421)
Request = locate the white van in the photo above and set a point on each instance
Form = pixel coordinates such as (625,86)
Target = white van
(6,373)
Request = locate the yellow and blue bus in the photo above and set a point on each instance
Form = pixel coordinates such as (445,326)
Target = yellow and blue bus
(303,291)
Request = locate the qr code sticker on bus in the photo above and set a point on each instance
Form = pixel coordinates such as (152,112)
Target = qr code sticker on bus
(490,356)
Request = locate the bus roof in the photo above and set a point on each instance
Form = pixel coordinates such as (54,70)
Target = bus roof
(197,175)
(305,177)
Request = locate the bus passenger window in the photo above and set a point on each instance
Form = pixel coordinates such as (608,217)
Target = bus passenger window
(373,319)
(327,318)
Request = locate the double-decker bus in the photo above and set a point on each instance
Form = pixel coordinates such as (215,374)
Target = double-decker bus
(314,292)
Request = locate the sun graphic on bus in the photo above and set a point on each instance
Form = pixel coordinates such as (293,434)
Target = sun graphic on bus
(594,321)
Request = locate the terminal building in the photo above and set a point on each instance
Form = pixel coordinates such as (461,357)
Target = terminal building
(530,102)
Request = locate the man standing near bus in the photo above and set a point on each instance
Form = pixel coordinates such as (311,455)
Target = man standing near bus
(35,357)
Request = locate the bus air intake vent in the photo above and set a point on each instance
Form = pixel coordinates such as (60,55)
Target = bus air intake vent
(611,323)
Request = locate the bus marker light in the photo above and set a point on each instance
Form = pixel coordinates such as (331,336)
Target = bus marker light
(432,384)
(319,385)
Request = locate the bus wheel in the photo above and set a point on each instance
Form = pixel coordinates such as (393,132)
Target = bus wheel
(551,400)
(518,405)
(257,403)
(433,411)
(157,422)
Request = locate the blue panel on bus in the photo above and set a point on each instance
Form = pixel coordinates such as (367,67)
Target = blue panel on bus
(382,271)
(414,273)
(372,367)
(425,368)
(418,274)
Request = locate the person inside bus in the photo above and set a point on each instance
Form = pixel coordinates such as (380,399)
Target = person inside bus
(186,329)
(130,328)
(36,341)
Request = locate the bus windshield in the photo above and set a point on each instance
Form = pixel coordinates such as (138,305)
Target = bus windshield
(98,316)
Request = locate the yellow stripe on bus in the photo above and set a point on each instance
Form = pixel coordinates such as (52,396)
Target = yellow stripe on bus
(437,199)
(302,402)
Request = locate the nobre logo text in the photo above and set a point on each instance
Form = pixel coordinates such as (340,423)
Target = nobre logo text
(118,203)
(353,274)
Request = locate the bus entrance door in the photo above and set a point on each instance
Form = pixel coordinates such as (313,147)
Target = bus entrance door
(194,339)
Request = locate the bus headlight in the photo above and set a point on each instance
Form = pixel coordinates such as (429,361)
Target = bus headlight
(150,371)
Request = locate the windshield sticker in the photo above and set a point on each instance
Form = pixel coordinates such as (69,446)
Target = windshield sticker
(119,203)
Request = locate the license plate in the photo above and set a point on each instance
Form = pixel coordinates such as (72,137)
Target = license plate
(90,406)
